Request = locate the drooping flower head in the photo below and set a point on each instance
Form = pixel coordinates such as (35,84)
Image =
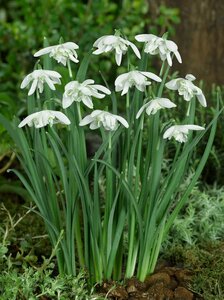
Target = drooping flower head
(138,79)
(75,91)
(38,78)
(159,45)
(187,89)
(100,118)
(154,105)
(45,117)
(108,43)
(180,132)
(61,53)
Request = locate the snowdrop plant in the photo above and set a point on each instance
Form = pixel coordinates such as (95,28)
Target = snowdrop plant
(109,213)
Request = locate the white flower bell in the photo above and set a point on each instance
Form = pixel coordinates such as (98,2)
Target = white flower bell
(159,45)
(38,78)
(61,53)
(100,118)
(154,105)
(187,89)
(180,132)
(108,43)
(138,79)
(43,118)
(75,91)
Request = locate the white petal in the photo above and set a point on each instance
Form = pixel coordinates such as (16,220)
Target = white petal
(120,81)
(125,88)
(27,120)
(33,87)
(173,84)
(96,43)
(66,102)
(70,45)
(50,83)
(171,45)
(122,121)
(26,81)
(193,127)
(165,102)
(141,110)
(152,76)
(135,49)
(169,59)
(97,112)
(44,51)
(87,120)
(98,51)
(169,132)
(177,54)
(52,73)
(87,82)
(87,101)
(118,58)
(61,117)
(145,37)
(94,125)
(102,89)
(190,77)
(201,99)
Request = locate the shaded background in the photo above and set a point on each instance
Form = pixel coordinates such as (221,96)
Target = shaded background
(200,36)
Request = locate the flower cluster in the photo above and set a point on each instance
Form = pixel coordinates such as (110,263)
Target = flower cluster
(109,43)
(61,53)
(85,91)
(159,45)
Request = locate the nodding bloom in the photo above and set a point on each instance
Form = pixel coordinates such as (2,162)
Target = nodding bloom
(100,118)
(45,117)
(138,79)
(108,43)
(154,105)
(75,91)
(180,132)
(38,78)
(159,45)
(187,89)
(61,53)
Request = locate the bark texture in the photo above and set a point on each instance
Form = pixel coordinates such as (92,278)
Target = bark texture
(200,37)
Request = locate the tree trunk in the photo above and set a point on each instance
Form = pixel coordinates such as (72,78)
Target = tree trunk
(200,37)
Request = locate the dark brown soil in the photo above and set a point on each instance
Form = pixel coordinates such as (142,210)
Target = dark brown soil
(166,283)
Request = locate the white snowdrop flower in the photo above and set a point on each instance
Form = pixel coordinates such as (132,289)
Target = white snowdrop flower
(38,78)
(154,105)
(138,79)
(45,117)
(61,53)
(180,132)
(187,89)
(159,45)
(108,43)
(100,118)
(75,91)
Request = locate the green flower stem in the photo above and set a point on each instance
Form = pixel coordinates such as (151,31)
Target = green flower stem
(69,68)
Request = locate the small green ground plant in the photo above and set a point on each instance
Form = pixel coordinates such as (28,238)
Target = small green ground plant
(23,277)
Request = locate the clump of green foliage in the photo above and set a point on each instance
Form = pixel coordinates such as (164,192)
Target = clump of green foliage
(22,276)
(201,220)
